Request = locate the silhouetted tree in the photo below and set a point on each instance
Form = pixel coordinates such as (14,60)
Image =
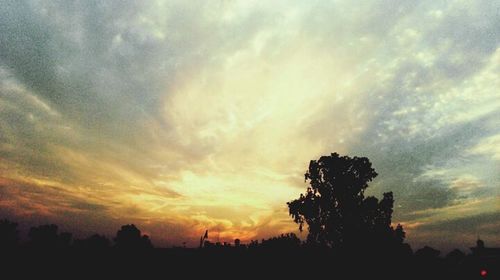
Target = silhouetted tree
(253,244)
(284,241)
(9,235)
(46,236)
(64,239)
(94,242)
(427,252)
(335,209)
(129,237)
(43,236)
(455,256)
(237,242)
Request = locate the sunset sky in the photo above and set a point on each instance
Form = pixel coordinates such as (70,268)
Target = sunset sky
(181,116)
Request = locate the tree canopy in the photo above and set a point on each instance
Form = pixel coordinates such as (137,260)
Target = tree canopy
(336,210)
(129,237)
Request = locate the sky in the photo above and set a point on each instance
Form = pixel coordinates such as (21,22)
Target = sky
(181,116)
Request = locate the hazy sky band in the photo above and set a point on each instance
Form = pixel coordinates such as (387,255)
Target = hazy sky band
(186,115)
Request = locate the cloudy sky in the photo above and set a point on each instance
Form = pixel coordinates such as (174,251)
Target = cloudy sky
(180,116)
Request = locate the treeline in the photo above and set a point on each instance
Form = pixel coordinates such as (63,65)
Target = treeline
(130,237)
(47,248)
(48,237)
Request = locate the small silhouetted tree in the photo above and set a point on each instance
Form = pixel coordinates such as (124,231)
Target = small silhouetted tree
(129,237)
(455,256)
(283,241)
(43,236)
(427,253)
(47,236)
(254,244)
(9,235)
(64,239)
(336,210)
(94,242)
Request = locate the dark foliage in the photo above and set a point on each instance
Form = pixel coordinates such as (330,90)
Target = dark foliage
(284,241)
(455,256)
(47,236)
(336,211)
(94,242)
(427,253)
(129,237)
(9,235)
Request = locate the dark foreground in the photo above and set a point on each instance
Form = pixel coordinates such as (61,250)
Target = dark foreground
(233,263)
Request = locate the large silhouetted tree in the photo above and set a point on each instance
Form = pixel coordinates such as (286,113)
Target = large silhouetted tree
(336,210)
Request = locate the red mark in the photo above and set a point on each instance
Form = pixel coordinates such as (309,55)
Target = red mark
(483,272)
